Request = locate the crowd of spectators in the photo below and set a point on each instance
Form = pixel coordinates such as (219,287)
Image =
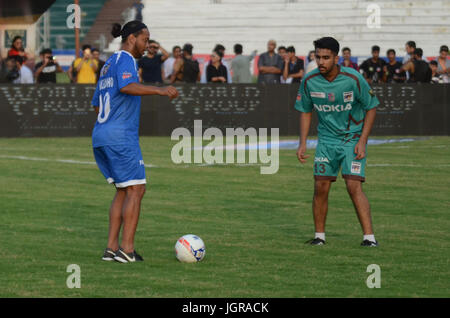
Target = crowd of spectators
(276,65)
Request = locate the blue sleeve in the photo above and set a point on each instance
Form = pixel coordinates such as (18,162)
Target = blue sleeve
(126,72)
(95,101)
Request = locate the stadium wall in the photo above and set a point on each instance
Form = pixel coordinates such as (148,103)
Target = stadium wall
(65,110)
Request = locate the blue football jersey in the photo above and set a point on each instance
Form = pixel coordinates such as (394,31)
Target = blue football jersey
(118,117)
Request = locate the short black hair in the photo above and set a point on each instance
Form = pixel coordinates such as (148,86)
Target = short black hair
(346,49)
(375,48)
(443,48)
(281,47)
(390,51)
(411,44)
(86,46)
(327,43)
(419,52)
(176,47)
(95,50)
(219,47)
(188,48)
(290,49)
(434,63)
(238,48)
(46,51)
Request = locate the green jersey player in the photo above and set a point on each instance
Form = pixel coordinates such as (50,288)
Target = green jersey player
(346,108)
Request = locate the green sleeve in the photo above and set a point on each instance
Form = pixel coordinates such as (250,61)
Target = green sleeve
(303,103)
(367,98)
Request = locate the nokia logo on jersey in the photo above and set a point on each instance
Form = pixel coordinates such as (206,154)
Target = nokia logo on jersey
(106,83)
(333,108)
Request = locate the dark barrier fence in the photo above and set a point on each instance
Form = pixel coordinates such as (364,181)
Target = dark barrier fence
(65,110)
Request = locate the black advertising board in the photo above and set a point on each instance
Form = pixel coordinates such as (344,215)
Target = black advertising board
(65,109)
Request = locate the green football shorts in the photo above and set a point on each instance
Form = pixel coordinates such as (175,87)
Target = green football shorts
(329,159)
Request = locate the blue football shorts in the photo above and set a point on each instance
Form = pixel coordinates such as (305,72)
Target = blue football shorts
(121,164)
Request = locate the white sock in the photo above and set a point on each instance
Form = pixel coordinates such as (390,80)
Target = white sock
(369,237)
(320,235)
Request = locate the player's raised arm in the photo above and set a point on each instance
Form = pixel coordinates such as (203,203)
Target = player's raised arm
(141,90)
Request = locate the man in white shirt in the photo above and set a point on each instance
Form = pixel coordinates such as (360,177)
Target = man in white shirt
(168,64)
(25,74)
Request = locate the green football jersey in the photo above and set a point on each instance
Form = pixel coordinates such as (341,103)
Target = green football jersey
(341,105)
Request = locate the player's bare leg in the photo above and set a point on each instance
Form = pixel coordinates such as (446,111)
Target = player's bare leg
(115,219)
(361,204)
(320,204)
(130,215)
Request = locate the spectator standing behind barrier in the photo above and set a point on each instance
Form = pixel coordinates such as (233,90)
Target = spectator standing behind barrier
(17,48)
(443,69)
(435,77)
(347,62)
(270,65)
(392,71)
(150,66)
(240,65)
(168,64)
(45,71)
(282,52)
(96,56)
(418,69)
(216,72)
(372,68)
(25,75)
(312,64)
(86,68)
(293,67)
(186,69)
(218,48)
(410,46)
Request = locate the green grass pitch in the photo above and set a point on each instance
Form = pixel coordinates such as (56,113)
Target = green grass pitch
(53,214)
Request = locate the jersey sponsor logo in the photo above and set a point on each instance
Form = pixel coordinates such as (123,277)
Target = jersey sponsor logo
(299,97)
(141,162)
(105,69)
(126,75)
(318,94)
(356,167)
(333,108)
(106,83)
(321,159)
(331,97)
(348,97)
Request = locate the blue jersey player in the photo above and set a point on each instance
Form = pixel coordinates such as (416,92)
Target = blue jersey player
(115,139)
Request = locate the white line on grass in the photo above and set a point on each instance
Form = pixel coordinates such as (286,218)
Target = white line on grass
(58,160)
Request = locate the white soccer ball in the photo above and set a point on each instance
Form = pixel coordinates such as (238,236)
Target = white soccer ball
(190,249)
